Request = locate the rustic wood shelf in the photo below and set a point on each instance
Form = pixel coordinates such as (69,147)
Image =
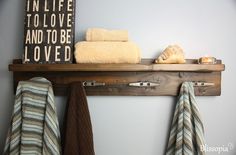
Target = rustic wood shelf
(145,65)
(117,77)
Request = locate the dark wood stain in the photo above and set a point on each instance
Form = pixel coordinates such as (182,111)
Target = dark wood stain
(118,76)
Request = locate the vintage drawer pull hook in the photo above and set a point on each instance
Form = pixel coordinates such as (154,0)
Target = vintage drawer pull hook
(202,84)
(144,84)
(92,84)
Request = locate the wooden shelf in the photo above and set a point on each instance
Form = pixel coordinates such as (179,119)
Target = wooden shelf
(117,77)
(145,65)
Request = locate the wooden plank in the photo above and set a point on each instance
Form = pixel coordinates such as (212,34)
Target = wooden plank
(143,61)
(117,83)
(118,76)
(146,65)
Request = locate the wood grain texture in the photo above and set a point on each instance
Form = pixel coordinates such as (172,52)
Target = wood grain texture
(146,65)
(117,81)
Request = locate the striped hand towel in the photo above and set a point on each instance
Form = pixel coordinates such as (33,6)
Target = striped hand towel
(187,132)
(34,126)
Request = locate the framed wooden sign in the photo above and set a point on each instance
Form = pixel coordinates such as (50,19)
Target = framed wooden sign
(49,31)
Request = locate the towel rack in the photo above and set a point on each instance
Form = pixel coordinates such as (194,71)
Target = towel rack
(143,79)
(144,84)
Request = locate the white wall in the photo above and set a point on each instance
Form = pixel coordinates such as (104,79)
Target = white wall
(139,125)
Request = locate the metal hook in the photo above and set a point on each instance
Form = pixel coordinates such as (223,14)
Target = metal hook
(92,84)
(144,84)
(202,84)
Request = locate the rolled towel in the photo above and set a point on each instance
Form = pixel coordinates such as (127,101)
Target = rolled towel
(99,34)
(107,52)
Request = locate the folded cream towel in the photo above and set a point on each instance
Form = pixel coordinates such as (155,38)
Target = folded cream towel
(107,52)
(99,34)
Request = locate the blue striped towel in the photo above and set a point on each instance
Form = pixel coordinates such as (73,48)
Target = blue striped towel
(34,126)
(187,132)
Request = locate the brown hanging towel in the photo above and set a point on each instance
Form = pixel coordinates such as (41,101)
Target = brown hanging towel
(78,136)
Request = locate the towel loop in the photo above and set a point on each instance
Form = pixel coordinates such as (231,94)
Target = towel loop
(144,84)
(93,84)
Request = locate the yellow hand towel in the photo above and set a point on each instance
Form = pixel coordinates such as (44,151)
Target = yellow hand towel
(99,34)
(107,52)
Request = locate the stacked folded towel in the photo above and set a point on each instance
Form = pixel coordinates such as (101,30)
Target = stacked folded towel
(98,34)
(107,46)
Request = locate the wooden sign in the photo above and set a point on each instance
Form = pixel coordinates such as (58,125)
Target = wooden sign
(49,31)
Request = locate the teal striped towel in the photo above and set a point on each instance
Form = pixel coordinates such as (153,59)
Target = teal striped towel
(187,132)
(34,126)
